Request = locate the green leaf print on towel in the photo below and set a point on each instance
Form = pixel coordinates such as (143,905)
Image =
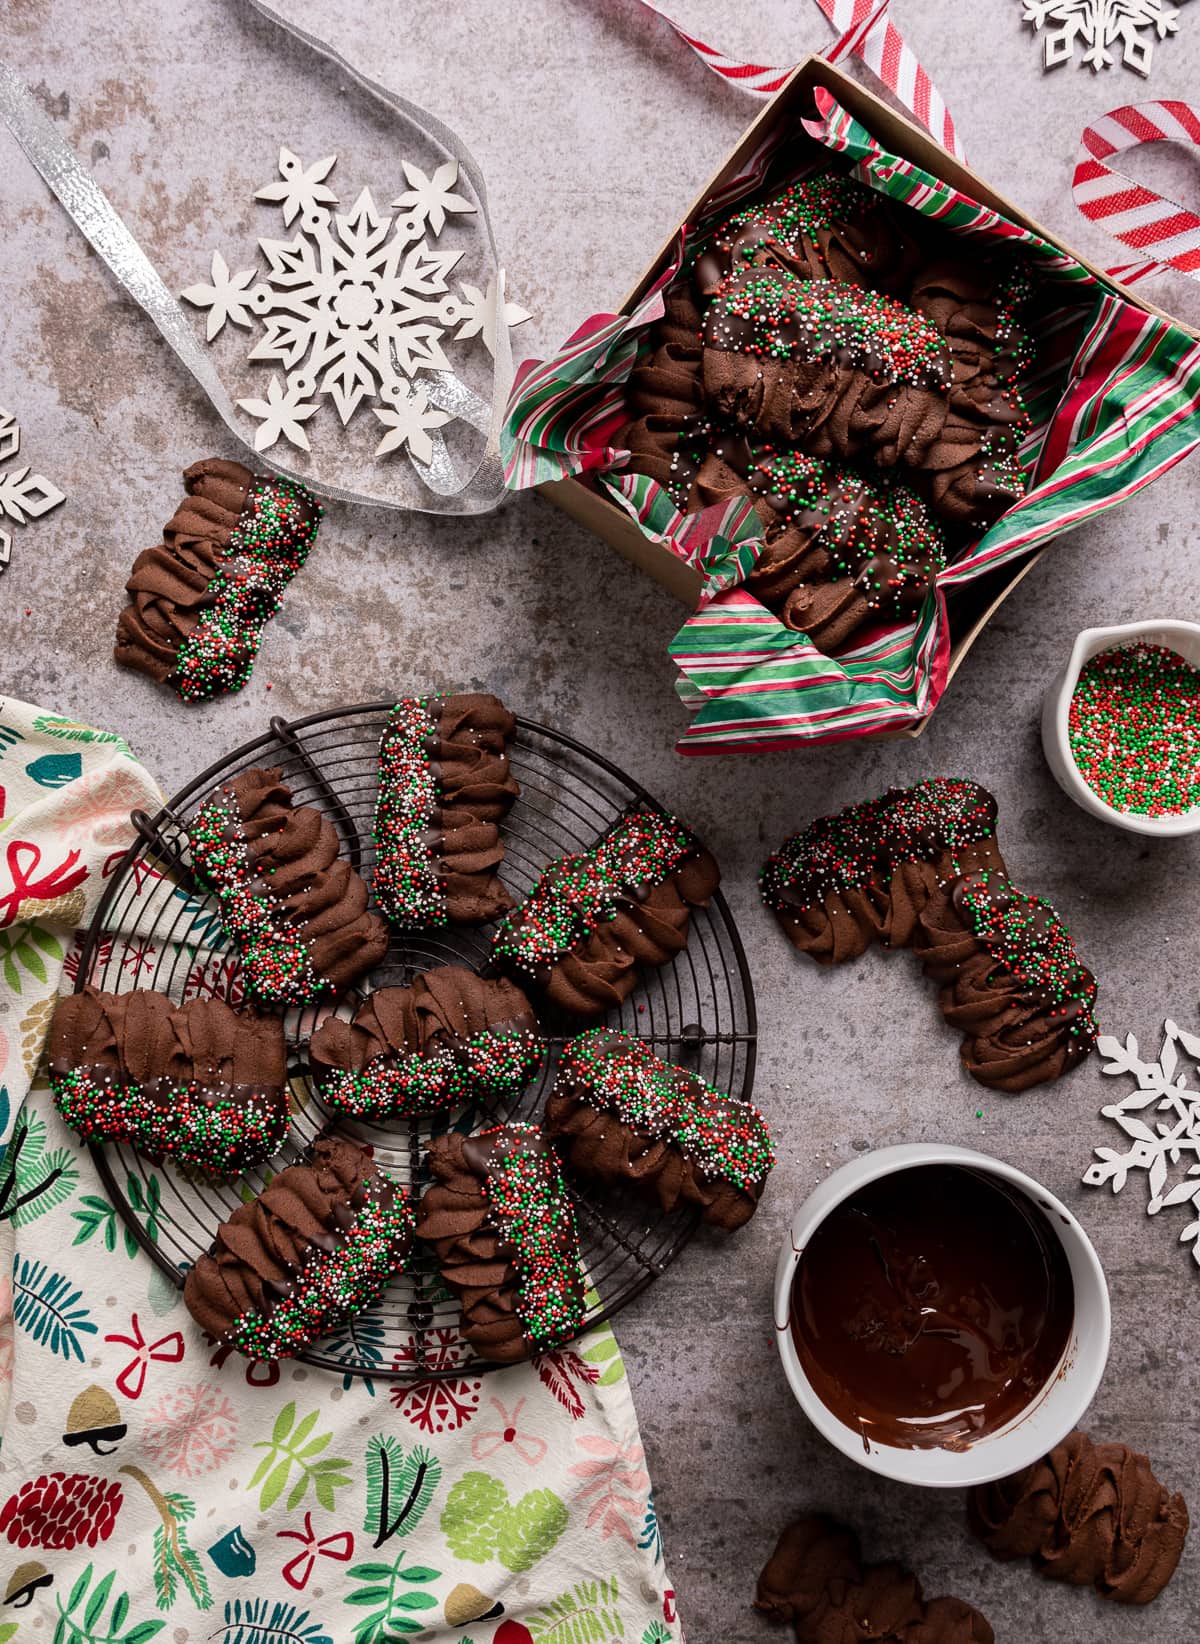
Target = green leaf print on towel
(392,1593)
(82,1619)
(480,1523)
(600,1348)
(45,1305)
(290,1446)
(34,1180)
(261,1621)
(587,1614)
(399,1487)
(70,730)
(177,1567)
(97,1218)
(27,947)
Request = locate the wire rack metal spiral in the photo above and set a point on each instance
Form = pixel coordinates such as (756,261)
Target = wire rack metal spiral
(154,928)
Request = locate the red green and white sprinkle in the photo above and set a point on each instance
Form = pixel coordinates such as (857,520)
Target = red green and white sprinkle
(775,315)
(406,883)
(841,852)
(802,210)
(216,1129)
(268,545)
(877,530)
(486,1067)
(331,1286)
(726,1138)
(277,967)
(1134,729)
(1026,937)
(530,1205)
(575,894)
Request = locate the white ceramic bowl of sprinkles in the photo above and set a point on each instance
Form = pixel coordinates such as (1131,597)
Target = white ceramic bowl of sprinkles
(1181,637)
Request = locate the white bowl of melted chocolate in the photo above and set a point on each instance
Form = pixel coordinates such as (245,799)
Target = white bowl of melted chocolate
(942,1318)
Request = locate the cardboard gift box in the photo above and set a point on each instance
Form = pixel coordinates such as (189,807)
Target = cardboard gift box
(560,442)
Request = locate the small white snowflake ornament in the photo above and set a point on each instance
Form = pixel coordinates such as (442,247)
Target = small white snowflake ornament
(482,309)
(1101,26)
(281,415)
(1161,1120)
(23,495)
(409,421)
(432,197)
(355,304)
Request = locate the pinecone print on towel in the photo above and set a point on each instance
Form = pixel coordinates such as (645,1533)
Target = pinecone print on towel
(61,1511)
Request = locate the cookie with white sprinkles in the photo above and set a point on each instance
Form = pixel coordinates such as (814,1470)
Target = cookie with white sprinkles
(293,907)
(591,920)
(626,1116)
(199,1083)
(444,788)
(315,1248)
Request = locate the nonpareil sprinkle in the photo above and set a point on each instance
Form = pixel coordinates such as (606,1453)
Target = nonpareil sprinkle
(1134,728)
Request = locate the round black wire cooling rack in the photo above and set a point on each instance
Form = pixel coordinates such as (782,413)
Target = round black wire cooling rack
(156,929)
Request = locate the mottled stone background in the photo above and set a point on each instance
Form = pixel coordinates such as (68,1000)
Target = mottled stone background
(595,129)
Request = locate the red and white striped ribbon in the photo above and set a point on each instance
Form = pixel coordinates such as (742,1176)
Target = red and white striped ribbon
(1167,235)
(864,29)
(759,79)
(1164,232)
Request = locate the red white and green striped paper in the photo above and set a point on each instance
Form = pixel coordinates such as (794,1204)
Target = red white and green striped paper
(1115,403)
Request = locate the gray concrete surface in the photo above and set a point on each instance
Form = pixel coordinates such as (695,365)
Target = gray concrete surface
(595,129)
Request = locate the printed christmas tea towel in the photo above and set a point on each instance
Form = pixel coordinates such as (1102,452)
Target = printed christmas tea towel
(152,1483)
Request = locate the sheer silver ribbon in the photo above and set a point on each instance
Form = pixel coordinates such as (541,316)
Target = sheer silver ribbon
(439,489)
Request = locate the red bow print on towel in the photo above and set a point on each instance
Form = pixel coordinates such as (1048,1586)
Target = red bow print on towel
(24,858)
(167,1350)
(528,1446)
(339,1547)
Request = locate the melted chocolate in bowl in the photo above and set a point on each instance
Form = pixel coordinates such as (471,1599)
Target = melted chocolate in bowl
(932,1307)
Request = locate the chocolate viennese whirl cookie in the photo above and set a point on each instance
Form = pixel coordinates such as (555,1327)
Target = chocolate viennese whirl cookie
(841,548)
(502,1223)
(668,421)
(816,1581)
(198,1083)
(972,473)
(840,370)
(626,1116)
(592,919)
(1089,1514)
(444,787)
(295,910)
(867,873)
(448,1038)
(824,227)
(198,601)
(315,1248)
(1012,982)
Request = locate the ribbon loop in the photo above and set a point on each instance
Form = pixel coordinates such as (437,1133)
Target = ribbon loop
(1164,232)
(864,29)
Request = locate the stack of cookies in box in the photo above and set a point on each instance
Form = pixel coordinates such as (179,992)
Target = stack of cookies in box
(857,373)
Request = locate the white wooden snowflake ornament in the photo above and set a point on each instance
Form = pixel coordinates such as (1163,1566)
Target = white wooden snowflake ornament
(482,309)
(1099,26)
(1161,1119)
(358,302)
(23,495)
